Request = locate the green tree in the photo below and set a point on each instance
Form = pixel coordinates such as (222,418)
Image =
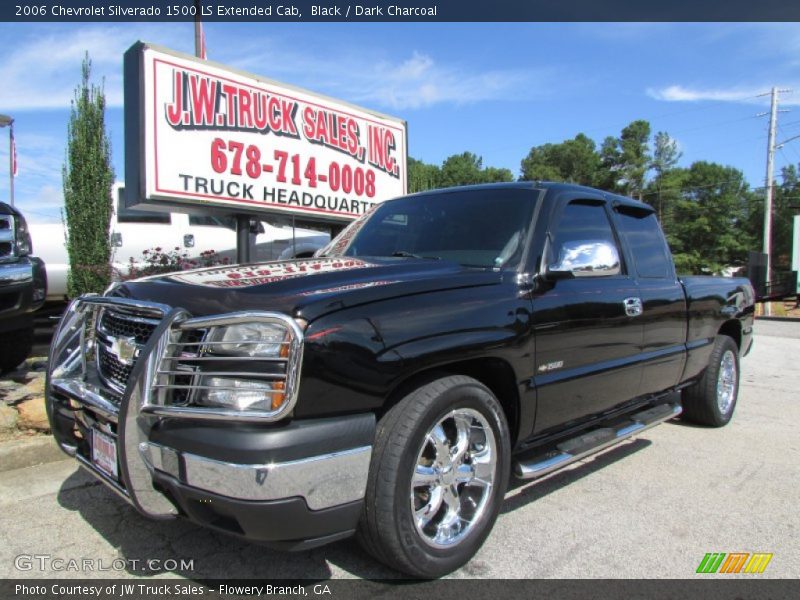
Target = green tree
(624,161)
(467,169)
(710,220)
(88,176)
(461,169)
(665,157)
(422,176)
(785,204)
(574,161)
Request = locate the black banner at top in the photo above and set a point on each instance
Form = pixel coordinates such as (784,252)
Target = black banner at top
(400,10)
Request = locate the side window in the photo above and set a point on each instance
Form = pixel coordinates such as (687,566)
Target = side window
(581,237)
(131,215)
(643,235)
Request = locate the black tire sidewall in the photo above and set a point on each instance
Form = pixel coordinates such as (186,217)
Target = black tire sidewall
(467,394)
(722,346)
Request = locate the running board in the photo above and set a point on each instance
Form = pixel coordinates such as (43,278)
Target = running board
(593,441)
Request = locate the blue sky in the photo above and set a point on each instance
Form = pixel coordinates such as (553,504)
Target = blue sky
(493,89)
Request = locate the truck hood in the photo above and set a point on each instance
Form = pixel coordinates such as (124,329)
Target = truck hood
(307,288)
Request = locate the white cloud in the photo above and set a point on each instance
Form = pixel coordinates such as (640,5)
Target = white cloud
(38,186)
(417,80)
(748,95)
(41,70)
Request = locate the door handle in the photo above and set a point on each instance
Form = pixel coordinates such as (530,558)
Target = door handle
(633,306)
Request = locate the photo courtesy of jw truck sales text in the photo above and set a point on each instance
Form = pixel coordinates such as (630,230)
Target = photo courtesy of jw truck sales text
(388,387)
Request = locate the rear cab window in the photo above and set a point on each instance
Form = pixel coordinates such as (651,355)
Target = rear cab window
(641,232)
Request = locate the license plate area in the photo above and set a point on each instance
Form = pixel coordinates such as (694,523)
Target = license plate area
(104,453)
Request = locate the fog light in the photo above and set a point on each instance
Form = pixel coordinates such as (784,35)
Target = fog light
(241,394)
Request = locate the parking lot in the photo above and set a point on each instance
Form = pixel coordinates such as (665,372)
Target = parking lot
(651,507)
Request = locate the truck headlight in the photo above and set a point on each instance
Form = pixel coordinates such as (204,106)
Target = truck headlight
(267,340)
(241,366)
(241,394)
(23,237)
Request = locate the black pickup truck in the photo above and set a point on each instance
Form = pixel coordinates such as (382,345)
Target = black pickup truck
(23,287)
(390,386)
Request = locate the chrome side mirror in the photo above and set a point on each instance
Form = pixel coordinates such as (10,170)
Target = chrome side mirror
(594,258)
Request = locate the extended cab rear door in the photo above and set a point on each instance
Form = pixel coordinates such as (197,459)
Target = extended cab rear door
(587,342)
(663,300)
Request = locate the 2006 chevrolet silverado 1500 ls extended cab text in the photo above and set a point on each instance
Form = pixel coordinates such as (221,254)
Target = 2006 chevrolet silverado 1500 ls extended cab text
(391,385)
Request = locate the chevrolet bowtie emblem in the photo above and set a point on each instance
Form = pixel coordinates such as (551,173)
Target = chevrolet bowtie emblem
(125,349)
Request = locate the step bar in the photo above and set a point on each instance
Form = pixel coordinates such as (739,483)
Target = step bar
(593,441)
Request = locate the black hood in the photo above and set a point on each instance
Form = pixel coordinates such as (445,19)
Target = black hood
(307,288)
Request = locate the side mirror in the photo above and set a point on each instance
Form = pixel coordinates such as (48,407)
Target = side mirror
(585,259)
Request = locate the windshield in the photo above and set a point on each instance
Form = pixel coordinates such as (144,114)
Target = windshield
(478,228)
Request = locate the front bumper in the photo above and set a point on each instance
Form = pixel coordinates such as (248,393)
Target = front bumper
(23,286)
(293,484)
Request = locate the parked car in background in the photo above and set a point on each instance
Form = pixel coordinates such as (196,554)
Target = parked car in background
(23,285)
(133,231)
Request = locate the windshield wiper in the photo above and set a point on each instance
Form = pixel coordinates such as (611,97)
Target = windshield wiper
(404,254)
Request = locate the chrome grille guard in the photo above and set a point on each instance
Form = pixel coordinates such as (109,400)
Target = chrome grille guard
(73,385)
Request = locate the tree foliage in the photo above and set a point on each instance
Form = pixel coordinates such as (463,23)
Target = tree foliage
(459,169)
(87,178)
(575,161)
(708,212)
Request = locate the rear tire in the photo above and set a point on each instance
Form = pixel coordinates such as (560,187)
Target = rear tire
(712,400)
(15,347)
(439,471)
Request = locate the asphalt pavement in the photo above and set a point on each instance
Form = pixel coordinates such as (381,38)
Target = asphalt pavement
(651,507)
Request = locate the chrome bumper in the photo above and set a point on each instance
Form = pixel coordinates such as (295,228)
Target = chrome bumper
(12,274)
(323,481)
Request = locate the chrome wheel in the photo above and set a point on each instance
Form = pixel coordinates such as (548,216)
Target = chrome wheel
(726,382)
(453,477)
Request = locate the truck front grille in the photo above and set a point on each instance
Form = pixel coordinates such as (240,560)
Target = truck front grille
(6,237)
(120,339)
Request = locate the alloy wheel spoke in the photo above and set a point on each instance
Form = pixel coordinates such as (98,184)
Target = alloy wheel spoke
(424,476)
(483,464)
(424,515)
(441,444)
(463,429)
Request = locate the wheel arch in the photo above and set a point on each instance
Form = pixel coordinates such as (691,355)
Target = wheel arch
(733,329)
(495,373)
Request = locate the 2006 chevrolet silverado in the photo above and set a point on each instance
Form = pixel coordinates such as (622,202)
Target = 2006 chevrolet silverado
(390,386)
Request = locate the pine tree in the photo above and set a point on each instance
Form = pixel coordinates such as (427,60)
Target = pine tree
(88,176)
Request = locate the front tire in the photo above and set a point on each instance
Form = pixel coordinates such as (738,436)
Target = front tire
(439,471)
(712,400)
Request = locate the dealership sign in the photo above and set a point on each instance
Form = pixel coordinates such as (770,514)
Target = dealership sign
(201,136)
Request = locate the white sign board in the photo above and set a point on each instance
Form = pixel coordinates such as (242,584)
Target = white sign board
(212,137)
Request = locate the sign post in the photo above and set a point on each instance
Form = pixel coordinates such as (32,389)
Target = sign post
(201,137)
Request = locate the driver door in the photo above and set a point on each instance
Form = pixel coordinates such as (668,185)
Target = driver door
(587,342)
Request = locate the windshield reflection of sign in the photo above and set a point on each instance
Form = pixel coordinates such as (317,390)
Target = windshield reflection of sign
(347,288)
(234,277)
(342,241)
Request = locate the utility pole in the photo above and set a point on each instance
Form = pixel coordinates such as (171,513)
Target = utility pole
(773,123)
(769,187)
(199,51)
